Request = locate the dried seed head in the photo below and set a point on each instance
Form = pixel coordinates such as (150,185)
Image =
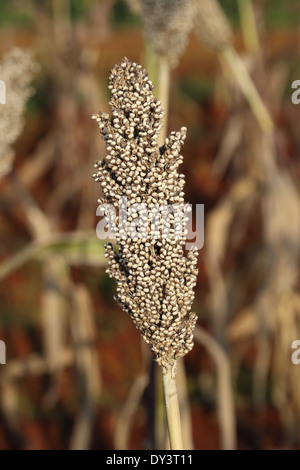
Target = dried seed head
(167,26)
(154,278)
(211,24)
(16,70)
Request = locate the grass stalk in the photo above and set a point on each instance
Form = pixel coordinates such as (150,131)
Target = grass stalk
(239,71)
(225,398)
(163,94)
(248,25)
(184,406)
(172,408)
(151,63)
(159,419)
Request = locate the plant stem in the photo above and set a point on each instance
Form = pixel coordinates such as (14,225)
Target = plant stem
(160,422)
(184,406)
(172,408)
(225,399)
(158,67)
(238,69)
(151,63)
(248,24)
(163,90)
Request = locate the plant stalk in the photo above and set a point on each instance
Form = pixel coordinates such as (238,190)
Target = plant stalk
(238,69)
(163,94)
(172,408)
(160,422)
(248,25)
(158,65)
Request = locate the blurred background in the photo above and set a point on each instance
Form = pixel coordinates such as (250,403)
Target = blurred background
(77,375)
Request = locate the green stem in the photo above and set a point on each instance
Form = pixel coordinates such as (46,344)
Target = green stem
(151,63)
(248,25)
(172,408)
(164,88)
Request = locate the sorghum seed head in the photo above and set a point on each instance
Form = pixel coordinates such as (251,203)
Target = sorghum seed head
(154,277)
(167,26)
(17,69)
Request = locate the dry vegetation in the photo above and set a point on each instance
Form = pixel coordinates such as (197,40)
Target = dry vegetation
(77,375)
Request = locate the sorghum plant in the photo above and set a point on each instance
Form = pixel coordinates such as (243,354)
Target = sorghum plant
(154,278)
(167,26)
(16,70)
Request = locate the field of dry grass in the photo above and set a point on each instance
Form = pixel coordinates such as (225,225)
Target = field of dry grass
(77,374)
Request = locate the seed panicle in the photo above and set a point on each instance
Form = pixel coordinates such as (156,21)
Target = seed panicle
(167,26)
(154,278)
(17,69)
